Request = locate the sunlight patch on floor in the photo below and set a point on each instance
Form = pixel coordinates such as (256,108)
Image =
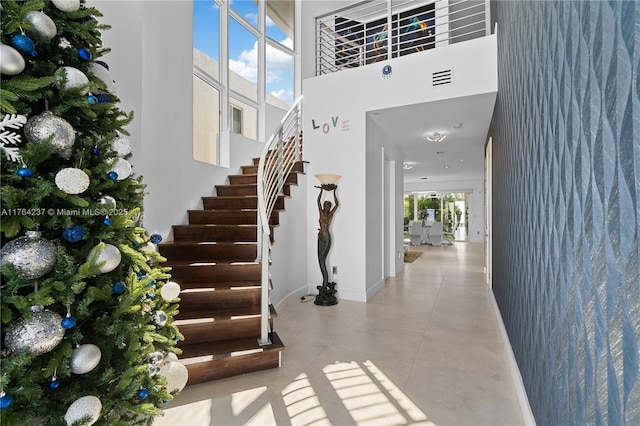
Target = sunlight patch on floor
(199,413)
(241,400)
(370,397)
(303,405)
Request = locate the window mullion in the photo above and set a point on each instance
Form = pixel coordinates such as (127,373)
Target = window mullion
(224,65)
(262,70)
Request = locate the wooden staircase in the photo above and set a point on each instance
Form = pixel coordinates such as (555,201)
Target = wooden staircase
(213,258)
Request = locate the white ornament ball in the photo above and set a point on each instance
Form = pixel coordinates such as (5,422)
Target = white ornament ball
(66,5)
(171,357)
(103,74)
(109,254)
(30,254)
(149,247)
(85,358)
(170,291)
(40,127)
(38,335)
(11,61)
(176,374)
(43,26)
(122,167)
(74,79)
(72,180)
(86,406)
(121,145)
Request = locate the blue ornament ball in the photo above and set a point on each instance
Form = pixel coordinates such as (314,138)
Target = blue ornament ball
(155,238)
(24,172)
(68,323)
(84,54)
(95,150)
(24,45)
(5,401)
(54,384)
(143,393)
(102,98)
(92,99)
(112,175)
(118,288)
(73,234)
(106,221)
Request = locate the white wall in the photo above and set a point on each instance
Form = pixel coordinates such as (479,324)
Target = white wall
(337,141)
(151,62)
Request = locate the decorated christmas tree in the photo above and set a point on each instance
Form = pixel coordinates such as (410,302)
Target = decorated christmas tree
(87,309)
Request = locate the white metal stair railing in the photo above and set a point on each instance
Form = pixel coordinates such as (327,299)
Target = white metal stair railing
(280,154)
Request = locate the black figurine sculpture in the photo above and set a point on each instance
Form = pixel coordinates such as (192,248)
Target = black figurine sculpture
(327,291)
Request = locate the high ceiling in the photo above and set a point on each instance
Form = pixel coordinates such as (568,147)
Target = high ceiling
(459,157)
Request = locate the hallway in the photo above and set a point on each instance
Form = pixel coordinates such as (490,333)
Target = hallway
(426,350)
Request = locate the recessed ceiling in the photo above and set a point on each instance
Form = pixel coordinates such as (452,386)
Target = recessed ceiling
(458,157)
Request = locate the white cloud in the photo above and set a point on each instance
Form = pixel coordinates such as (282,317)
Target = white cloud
(244,70)
(284,95)
(246,65)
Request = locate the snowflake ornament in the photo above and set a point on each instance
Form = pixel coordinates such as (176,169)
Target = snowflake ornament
(9,140)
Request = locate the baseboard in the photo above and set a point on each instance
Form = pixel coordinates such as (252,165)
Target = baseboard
(527,414)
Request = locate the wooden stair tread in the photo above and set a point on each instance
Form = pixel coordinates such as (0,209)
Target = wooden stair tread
(198,263)
(220,285)
(227,348)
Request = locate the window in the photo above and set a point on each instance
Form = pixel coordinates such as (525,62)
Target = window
(243,59)
(206,77)
(236,120)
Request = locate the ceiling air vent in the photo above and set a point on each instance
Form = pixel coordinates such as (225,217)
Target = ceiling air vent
(439,78)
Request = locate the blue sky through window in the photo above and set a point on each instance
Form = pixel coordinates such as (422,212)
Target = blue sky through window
(243,45)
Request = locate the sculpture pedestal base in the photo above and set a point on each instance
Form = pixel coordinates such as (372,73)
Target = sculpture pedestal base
(326,295)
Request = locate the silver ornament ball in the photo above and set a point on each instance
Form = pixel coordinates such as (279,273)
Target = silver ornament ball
(72,180)
(86,406)
(107,200)
(103,74)
(160,317)
(11,61)
(74,79)
(38,335)
(40,127)
(66,5)
(107,253)
(43,26)
(85,358)
(30,254)
(121,145)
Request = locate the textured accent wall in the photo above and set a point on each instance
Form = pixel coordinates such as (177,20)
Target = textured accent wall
(566,140)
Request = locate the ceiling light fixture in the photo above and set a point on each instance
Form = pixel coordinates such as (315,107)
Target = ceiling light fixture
(407,166)
(436,137)
(457,126)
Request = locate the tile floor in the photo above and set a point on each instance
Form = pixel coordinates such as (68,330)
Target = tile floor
(425,350)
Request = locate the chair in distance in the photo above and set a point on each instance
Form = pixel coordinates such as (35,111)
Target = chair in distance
(415,232)
(435,235)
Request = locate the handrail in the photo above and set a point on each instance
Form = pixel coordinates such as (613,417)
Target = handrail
(280,154)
